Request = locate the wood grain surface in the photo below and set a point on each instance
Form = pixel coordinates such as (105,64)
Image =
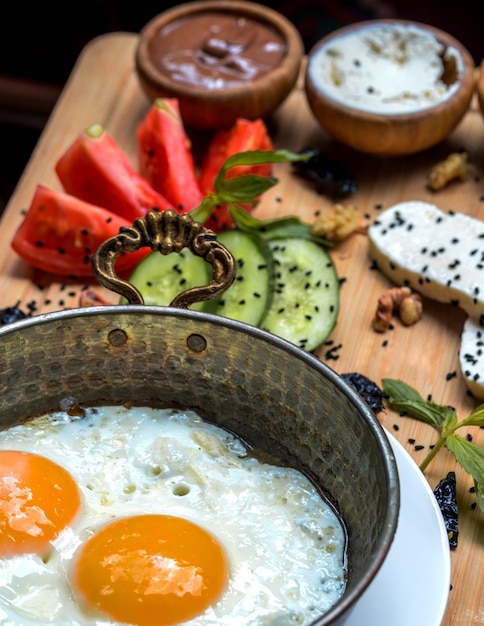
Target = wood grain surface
(103,88)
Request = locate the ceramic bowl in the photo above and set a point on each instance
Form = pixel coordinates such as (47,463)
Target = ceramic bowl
(222,61)
(389,87)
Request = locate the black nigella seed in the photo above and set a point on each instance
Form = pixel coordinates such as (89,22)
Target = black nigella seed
(331,353)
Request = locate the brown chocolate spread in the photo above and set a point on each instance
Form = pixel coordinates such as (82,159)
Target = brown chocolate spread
(216,50)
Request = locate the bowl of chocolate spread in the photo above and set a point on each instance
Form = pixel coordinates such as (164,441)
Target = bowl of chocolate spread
(222,61)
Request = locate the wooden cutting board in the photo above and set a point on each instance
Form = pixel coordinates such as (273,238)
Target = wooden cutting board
(103,88)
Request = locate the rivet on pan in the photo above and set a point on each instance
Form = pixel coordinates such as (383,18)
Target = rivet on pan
(117,337)
(196,343)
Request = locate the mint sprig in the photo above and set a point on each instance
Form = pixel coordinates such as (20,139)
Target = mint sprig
(247,189)
(404,398)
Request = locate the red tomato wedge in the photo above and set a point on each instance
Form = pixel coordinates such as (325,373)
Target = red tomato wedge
(95,169)
(245,135)
(165,155)
(60,232)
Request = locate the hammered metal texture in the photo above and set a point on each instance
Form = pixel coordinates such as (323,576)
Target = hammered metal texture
(274,396)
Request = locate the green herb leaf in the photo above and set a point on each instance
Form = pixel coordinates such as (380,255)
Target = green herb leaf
(402,397)
(256,157)
(471,457)
(243,189)
(476,418)
(277,228)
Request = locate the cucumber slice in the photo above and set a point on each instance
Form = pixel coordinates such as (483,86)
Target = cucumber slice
(305,301)
(248,298)
(160,278)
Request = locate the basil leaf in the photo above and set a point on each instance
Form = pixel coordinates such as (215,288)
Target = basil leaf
(398,390)
(245,188)
(471,457)
(277,228)
(403,397)
(261,157)
(257,157)
(476,418)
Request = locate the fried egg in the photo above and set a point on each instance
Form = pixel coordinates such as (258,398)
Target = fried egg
(151,517)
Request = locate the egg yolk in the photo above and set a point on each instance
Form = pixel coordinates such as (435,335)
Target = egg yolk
(38,499)
(150,570)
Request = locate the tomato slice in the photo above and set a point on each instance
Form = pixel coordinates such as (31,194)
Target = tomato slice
(245,135)
(95,169)
(60,233)
(165,155)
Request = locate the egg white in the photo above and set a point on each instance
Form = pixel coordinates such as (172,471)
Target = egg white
(285,545)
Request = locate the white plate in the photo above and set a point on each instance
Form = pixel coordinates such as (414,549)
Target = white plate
(412,586)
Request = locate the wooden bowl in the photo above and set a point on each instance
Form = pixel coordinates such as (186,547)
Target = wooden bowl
(219,76)
(389,87)
(480,87)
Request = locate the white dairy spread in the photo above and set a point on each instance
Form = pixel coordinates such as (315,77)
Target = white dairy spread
(386,68)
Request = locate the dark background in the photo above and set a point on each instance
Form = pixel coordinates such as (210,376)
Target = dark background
(40,43)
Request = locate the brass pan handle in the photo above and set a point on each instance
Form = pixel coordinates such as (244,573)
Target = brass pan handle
(165,231)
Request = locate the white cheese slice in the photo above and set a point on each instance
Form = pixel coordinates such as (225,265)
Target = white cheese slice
(441,256)
(471,357)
